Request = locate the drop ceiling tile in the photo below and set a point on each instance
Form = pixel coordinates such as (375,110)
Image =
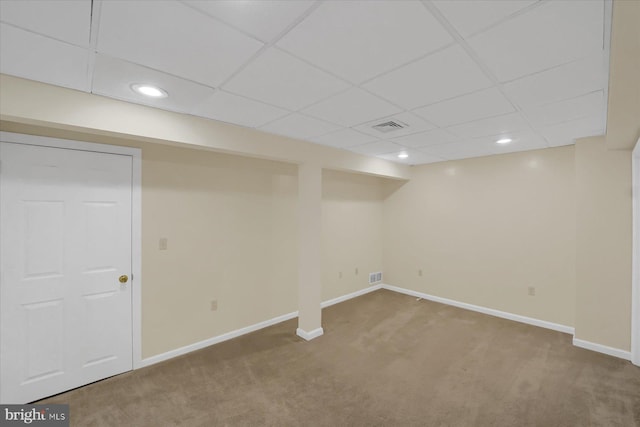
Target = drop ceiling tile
(423,139)
(299,126)
(350,108)
(69,20)
(442,75)
(466,108)
(499,125)
(413,123)
(552,34)
(569,109)
(566,133)
(262,19)
(377,148)
(415,157)
(479,147)
(113,77)
(277,78)
(521,141)
(460,150)
(231,108)
(154,34)
(358,40)
(470,16)
(31,56)
(560,83)
(344,138)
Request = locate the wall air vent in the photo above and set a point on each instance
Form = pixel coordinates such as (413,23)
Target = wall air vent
(375,277)
(390,126)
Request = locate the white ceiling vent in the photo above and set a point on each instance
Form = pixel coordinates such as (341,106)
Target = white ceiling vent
(390,126)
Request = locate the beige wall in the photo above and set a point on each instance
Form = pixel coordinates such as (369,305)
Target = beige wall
(309,250)
(351,230)
(231,225)
(623,114)
(483,230)
(603,267)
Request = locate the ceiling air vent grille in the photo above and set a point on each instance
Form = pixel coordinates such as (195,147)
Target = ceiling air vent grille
(389,126)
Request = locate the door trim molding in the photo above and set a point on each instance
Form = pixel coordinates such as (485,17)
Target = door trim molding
(635,263)
(136,218)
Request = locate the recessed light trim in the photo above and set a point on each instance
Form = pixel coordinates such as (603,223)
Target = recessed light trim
(504,141)
(403,155)
(148,90)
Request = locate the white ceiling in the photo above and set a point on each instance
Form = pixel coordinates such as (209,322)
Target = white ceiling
(459,74)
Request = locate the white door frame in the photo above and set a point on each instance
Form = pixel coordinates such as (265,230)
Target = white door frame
(635,262)
(136,218)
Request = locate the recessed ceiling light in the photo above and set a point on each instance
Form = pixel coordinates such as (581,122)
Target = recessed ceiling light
(403,155)
(504,141)
(149,90)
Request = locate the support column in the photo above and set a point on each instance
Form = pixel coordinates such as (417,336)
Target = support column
(309,251)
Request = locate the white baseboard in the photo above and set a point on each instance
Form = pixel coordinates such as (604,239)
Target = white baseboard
(615,352)
(319,331)
(484,310)
(343,298)
(242,331)
(309,335)
(215,340)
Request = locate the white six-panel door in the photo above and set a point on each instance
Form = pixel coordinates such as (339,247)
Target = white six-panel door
(65,224)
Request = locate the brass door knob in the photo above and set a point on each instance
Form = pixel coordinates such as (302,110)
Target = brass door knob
(124,278)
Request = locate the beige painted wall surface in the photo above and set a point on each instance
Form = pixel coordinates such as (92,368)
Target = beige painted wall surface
(231,225)
(603,264)
(352,231)
(623,114)
(483,230)
(309,249)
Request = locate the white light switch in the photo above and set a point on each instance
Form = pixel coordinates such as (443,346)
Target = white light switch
(163,244)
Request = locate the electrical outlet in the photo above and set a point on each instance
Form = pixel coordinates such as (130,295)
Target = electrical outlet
(214,305)
(532,291)
(356,271)
(339,274)
(420,272)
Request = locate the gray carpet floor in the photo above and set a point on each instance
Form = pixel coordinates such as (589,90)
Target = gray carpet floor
(385,359)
